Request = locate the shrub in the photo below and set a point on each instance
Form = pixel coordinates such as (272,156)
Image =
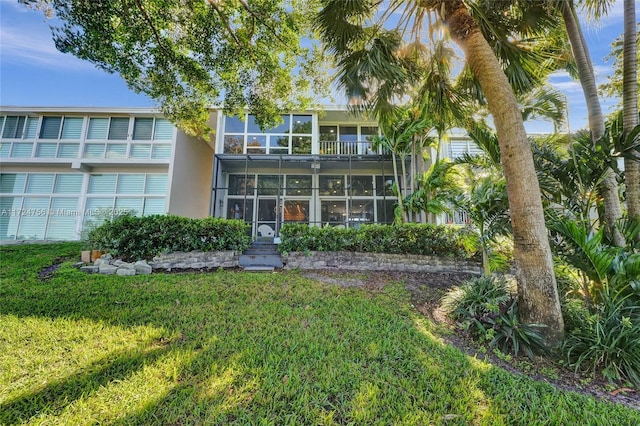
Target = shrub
(132,237)
(487,308)
(608,341)
(410,238)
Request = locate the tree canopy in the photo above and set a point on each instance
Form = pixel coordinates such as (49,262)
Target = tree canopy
(191,55)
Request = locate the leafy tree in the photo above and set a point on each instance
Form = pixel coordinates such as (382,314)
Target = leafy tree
(190,55)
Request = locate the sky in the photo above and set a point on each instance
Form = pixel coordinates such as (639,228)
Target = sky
(34,74)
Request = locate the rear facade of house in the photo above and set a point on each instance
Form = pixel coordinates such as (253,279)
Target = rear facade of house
(65,170)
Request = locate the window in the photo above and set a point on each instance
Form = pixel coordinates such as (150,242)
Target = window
(332,185)
(163,130)
(72,128)
(118,128)
(50,128)
(142,129)
(292,136)
(13,126)
(98,128)
(39,205)
(114,194)
(298,186)
(19,127)
(239,185)
(148,128)
(361,185)
(114,128)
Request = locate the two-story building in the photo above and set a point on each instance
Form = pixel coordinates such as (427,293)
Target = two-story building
(63,170)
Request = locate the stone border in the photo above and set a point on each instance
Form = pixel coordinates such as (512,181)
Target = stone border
(340,260)
(343,260)
(196,260)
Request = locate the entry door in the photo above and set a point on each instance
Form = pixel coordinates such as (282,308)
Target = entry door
(267,214)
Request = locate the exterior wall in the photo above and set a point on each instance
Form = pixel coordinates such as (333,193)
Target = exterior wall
(190,178)
(66,169)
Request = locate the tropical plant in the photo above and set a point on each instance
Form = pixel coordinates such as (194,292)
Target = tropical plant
(487,308)
(399,127)
(487,207)
(370,71)
(437,188)
(603,268)
(608,341)
(608,187)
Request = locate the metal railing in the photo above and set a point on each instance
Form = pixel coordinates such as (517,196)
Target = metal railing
(348,148)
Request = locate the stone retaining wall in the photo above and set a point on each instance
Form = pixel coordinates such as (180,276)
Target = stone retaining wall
(196,260)
(378,262)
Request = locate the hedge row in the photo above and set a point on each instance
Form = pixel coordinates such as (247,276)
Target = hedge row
(423,239)
(133,238)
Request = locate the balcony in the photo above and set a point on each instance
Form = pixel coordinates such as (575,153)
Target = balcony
(349,148)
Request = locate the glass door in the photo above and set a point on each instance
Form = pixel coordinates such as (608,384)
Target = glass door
(267,223)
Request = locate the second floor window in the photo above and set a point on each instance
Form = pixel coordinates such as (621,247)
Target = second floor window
(292,136)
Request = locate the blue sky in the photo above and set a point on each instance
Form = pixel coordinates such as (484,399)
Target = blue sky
(34,73)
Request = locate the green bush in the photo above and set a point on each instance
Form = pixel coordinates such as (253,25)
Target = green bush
(487,308)
(131,237)
(423,239)
(608,340)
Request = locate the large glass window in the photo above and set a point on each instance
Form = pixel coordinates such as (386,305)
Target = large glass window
(268,185)
(361,185)
(298,186)
(332,185)
(239,185)
(333,212)
(133,193)
(39,205)
(292,136)
(296,211)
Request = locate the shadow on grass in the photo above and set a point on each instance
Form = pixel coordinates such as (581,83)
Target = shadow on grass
(282,349)
(54,397)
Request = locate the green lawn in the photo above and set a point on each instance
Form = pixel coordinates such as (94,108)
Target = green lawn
(240,348)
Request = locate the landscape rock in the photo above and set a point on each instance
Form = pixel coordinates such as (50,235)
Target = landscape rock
(125,271)
(142,267)
(107,269)
(90,269)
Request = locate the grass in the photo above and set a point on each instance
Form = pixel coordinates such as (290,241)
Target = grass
(240,348)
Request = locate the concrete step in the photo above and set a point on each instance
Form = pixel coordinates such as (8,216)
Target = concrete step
(260,250)
(259,268)
(272,260)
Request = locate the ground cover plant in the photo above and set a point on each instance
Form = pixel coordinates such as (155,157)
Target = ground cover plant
(238,348)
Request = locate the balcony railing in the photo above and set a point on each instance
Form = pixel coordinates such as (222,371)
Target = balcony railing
(349,148)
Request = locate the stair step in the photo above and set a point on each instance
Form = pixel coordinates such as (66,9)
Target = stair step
(260,260)
(259,268)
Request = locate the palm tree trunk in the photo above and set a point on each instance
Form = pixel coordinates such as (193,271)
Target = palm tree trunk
(537,290)
(394,159)
(608,188)
(630,105)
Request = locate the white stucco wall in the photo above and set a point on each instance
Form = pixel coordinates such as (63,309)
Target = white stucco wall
(190,177)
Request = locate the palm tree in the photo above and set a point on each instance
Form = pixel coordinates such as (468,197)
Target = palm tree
(342,26)
(609,185)
(399,127)
(487,205)
(630,105)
